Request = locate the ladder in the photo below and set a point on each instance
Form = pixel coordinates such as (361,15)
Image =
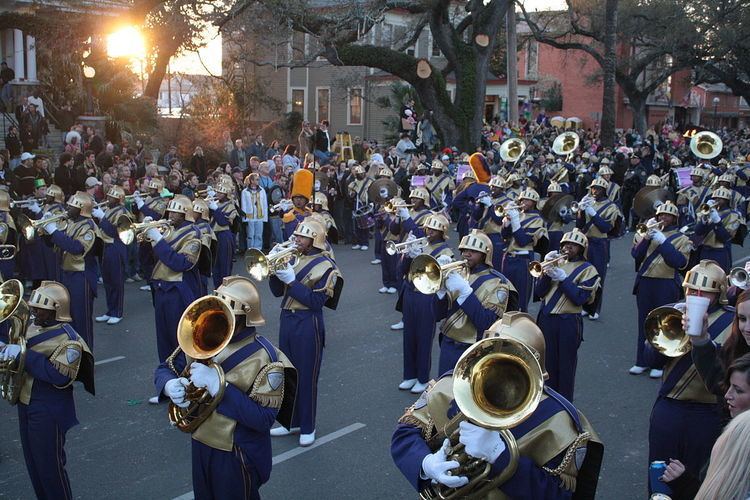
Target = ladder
(344,141)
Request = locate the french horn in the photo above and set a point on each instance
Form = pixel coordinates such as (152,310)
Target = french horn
(428,276)
(14,310)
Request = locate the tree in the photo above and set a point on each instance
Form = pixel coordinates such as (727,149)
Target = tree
(341,36)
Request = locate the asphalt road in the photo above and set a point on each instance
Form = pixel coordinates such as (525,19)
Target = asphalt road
(124,448)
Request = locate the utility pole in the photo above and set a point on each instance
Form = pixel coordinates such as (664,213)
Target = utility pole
(512,65)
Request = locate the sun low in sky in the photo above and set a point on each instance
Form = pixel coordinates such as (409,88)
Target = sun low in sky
(126,42)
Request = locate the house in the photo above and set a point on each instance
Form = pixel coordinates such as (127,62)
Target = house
(177,90)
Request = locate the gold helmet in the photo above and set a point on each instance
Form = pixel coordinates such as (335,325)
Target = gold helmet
(726,177)
(478,241)
(497,181)
(420,193)
(698,172)
(521,327)
(358,169)
(181,204)
(117,193)
(529,194)
(55,192)
(606,171)
(599,182)
(438,165)
(605,161)
(155,183)
(675,162)
(4,201)
(438,222)
(200,206)
(313,229)
(707,276)
(514,177)
(322,200)
(653,180)
(224,186)
(52,296)
(82,201)
(577,237)
(554,187)
(723,193)
(668,208)
(243,299)
(384,171)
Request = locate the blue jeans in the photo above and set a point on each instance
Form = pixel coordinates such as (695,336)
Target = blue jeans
(255,234)
(276,233)
(323,157)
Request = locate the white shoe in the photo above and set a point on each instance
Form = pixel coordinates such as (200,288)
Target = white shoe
(398,326)
(100,281)
(594,317)
(113,321)
(364,249)
(654,373)
(283,431)
(375,262)
(102,318)
(145,288)
(392,290)
(407,384)
(355,247)
(418,388)
(637,370)
(383,290)
(153,400)
(584,313)
(307,439)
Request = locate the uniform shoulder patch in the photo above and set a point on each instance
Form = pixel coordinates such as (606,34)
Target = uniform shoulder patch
(268,387)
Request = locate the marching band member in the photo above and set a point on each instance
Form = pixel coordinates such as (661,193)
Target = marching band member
(408,222)
(419,309)
(202,216)
(597,218)
(488,221)
(388,228)
(555,227)
(472,187)
(8,235)
(685,420)
(223,213)
(302,192)
(152,206)
(659,255)
(470,306)
(716,230)
(514,185)
(523,229)
(231,449)
(693,196)
(114,256)
(566,288)
(420,443)
(314,282)
(613,191)
(320,207)
(439,185)
(56,356)
(727,181)
(381,228)
(357,191)
(54,205)
(79,267)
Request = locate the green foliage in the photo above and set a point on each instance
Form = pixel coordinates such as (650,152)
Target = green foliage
(291,124)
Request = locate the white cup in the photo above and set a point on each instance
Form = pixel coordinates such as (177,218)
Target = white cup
(696,308)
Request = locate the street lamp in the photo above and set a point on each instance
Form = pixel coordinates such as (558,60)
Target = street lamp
(716,104)
(88,75)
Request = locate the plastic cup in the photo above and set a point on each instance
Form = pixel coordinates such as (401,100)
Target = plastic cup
(696,308)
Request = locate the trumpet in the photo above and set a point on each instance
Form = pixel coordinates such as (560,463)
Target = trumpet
(129,231)
(391,208)
(132,196)
(259,266)
(30,228)
(279,207)
(738,276)
(428,276)
(705,209)
(25,203)
(537,269)
(643,229)
(502,210)
(393,248)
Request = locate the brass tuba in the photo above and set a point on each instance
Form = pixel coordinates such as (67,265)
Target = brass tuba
(664,331)
(497,384)
(566,144)
(428,276)
(512,150)
(204,330)
(706,145)
(15,310)
(259,265)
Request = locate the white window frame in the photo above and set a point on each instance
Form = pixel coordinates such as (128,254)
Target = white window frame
(290,104)
(349,106)
(318,119)
(431,46)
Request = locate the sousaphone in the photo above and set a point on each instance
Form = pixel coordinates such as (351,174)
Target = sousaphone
(14,310)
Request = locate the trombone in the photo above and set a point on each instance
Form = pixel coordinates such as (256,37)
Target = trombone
(259,265)
(502,210)
(30,228)
(393,248)
(428,276)
(643,229)
(129,231)
(537,269)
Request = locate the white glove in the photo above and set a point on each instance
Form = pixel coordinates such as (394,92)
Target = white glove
(403,213)
(714,217)
(213,205)
(286,275)
(210,192)
(513,213)
(98,213)
(50,227)
(175,390)
(441,293)
(138,201)
(35,208)
(286,205)
(204,376)
(436,467)
(657,236)
(486,201)
(515,219)
(444,259)
(154,235)
(556,273)
(415,251)
(275,249)
(10,352)
(590,210)
(481,443)
(552,255)
(455,283)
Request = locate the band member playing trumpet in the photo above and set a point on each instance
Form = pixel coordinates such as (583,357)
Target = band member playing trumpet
(470,305)
(568,284)
(79,267)
(302,193)
(715,229)
(439,185)
(56,356)
(408,222)
(660,253)
(202,215)
(231,449)
(597,218)
(54,205)
(489,222)
(690,198)
(357,191)
(419,309)
(312,283)
(223,213)
(685,420)
(114,256)
(523,229)
(727,180)
(152,206)
(423,444)
(613,191)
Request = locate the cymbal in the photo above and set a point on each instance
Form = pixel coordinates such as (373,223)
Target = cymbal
(382,190)
(551,209)
(648,199)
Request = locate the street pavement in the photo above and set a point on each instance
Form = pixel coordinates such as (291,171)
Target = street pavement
(124,448)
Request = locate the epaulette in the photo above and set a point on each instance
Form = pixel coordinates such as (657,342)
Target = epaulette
(268,387)
(498,274)
(67,359)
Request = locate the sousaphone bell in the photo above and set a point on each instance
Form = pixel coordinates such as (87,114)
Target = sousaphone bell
(706,145)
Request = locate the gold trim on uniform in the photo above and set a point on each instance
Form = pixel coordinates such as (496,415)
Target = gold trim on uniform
(83,231)
(187,245)
(731,223)
(313,276)
(229,209)
(658,267)
(539,228)
(610,215)
(564,305)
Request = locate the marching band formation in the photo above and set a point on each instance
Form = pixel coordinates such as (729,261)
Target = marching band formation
(498,421)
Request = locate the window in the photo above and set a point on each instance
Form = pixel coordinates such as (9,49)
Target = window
(386,35)
(298,102)
(532,59)
(322,103)
(354,116)
(435,51)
